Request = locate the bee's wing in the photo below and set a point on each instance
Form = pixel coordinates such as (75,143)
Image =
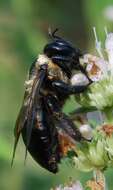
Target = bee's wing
(27,111)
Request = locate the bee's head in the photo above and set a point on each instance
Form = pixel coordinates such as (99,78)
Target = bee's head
(62,53)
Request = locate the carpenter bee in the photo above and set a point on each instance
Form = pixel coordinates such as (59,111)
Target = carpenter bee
(47,132)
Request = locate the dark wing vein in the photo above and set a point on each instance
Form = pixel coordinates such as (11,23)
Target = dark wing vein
(26,114)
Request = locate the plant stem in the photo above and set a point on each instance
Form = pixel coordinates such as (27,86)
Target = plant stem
(108,115)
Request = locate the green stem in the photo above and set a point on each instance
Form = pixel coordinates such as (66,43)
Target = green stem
(109,115)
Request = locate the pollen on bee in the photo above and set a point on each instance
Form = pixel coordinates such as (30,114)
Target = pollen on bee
(65,144)
(28,82)
(41,60)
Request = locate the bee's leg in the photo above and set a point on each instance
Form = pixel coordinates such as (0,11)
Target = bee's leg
(62,121)
(59,59)
(68,89)
(53,107)
(81,112)
(69,127)
(83,70)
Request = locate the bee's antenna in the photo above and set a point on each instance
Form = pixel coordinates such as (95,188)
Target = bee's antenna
(52,34)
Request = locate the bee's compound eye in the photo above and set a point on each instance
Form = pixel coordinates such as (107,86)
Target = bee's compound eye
(60,48)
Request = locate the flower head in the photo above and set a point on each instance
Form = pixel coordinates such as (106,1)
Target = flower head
(97,154)
(100,70)
(71,185)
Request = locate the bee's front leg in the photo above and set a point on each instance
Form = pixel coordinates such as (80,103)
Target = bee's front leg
(68,89)
(83,70)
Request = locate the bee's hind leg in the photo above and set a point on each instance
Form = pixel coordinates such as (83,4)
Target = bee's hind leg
(62,120)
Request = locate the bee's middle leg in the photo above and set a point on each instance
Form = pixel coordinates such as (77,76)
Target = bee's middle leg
(62,120)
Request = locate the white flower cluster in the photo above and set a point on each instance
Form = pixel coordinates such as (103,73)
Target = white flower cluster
(97,66)
(73,186)
(100,70)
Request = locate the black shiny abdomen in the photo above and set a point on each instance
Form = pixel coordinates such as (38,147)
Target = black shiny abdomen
(42,149)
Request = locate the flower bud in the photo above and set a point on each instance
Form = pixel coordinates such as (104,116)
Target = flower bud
(71,186)
(86,131)
(79,79)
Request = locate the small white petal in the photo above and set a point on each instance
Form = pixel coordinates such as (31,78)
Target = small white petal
(59,187)
(66,188)
(109,42)
(86,131)
(79,79)
(103,65)
(74,186)
(96,67)
(109,49)
(97,43)
(77,186)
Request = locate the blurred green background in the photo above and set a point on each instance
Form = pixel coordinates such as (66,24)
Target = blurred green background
(23,34)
